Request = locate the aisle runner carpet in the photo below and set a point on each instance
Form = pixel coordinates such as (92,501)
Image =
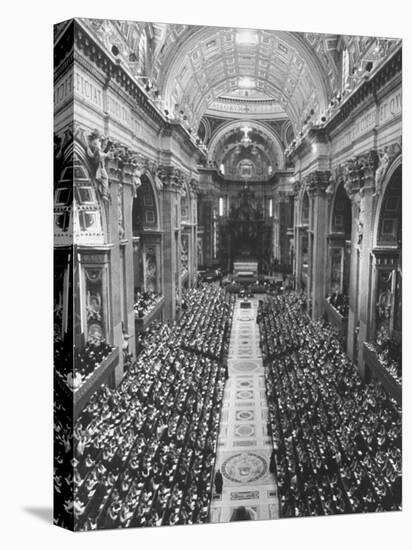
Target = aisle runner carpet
(244,446)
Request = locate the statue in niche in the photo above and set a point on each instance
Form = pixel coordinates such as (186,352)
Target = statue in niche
(384,304)
(94,306)
(184,251)
(199,251)
(98,149)
(150,270)
(58,314)
(381,170)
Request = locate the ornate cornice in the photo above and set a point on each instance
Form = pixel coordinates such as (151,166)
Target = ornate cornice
(91,50)
(110,160)
(369,88)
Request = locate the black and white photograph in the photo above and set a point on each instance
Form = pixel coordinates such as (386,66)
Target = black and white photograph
(204,288)
(227,274)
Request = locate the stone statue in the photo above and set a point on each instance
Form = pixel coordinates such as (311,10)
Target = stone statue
(136,175)
(381,170)
(98,149)
(361,220)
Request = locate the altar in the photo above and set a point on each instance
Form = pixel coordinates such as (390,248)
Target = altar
(245,271)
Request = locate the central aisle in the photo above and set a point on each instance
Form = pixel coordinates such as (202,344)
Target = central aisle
(244,446)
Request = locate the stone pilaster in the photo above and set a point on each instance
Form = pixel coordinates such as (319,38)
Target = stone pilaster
(317,184)
(368,165)
(297,262)
(172,181)
(360,187)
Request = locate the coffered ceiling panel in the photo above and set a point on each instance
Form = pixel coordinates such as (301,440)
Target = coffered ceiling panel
(196,70)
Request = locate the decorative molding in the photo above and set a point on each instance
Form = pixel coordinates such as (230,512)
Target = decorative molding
(369,88)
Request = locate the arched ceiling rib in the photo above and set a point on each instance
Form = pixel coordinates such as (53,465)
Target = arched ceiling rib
(262,138)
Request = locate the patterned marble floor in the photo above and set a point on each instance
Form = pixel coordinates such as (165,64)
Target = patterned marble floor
(244,446)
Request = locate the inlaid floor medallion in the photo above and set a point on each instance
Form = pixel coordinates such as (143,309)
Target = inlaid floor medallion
(244,467)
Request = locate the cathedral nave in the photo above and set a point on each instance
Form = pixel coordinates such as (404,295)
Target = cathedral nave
(227,274)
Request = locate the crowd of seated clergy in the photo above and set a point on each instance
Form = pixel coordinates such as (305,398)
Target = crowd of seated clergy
(143,453)
(75,370)
(145,302)
(336,440)
(204,324)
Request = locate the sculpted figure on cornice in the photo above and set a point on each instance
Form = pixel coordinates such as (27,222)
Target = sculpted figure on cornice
(352,178)
(386,156)
(106,155)
(137,172)
(296,188)
(98,149)
(368,164)
(336,178)
(135,164)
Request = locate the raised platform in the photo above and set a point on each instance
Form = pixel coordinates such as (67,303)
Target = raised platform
(81,396)
(141,323)
(335,318)
(378,371)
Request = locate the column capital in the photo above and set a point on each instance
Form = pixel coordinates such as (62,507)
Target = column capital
(318,182)
(171,178)
(194,186)
(359,174)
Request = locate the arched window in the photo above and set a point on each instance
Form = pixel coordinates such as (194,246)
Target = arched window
(390,220)
(342,213)
(144,208)
(389,262)
(340,247)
